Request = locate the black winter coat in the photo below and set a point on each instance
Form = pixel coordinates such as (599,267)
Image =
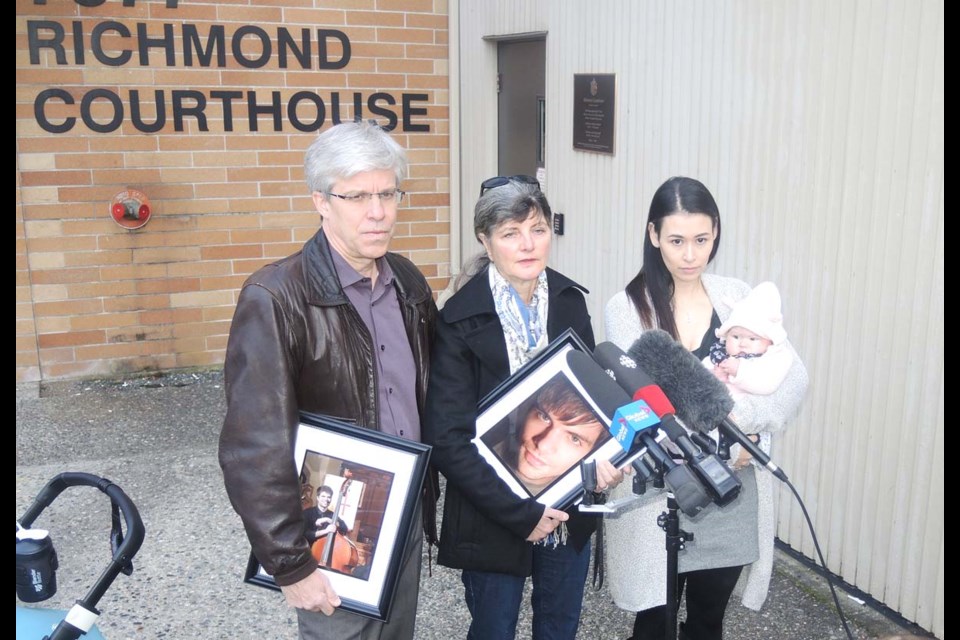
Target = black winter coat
(485,524)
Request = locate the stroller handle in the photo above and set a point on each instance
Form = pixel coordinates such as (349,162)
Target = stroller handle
(124,551)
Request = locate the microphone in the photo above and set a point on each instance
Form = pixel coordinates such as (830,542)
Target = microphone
(628,418)
(702,401)
(686,488)
(716,476)
(722,484)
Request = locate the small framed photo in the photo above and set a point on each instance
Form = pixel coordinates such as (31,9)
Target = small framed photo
(359,492)
(539,424)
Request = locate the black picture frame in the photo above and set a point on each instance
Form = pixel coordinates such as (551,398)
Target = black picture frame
(506,413)
(381,514)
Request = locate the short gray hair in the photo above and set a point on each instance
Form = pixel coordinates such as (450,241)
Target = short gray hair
(346,149)
(510,202)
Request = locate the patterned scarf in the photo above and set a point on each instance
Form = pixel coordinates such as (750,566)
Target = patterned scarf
(525,332)
(524,325)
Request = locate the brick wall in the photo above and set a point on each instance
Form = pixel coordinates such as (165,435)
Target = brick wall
(94,298)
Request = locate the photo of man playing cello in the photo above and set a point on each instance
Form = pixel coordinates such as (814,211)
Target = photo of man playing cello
(343,506)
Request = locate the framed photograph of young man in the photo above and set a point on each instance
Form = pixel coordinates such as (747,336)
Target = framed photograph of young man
(539,424)
(358,492)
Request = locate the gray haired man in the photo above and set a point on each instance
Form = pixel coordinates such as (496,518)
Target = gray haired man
(341,328)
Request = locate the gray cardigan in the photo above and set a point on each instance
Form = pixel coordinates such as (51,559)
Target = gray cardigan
(740,533)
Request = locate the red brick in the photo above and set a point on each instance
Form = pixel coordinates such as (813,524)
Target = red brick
(207,268)
(88,160)
(428,82)
(170,174)
(68,307)
(46,178)
(60,276)
(405,5)
(247,267)
(190,143)
(254,78)
(170,285)
(226,190)
(80,290)
(133,272)
(249,15)
(200,329)
(103,321)
(123,143)
(375,18)
(48,144)
(62,244)
(182,12)
(136,303)
(70,339)
(260,236)
(170,316)
(406,35)
(216,343)
(231,252)
(192,206)
(416,242)
(140,333)
(166,254)
(97,258)
(439,22)
(232,221)
(425,51)
(222,283)
(49,77)
(387,65)
(258,174)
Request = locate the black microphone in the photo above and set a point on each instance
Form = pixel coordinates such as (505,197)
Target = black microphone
(690,495)
(722,484)
(702,401)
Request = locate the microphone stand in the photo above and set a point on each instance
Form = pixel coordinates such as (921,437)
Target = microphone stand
(669,521)
(674,539)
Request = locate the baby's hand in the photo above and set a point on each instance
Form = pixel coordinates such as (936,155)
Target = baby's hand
(719,373)
(730,366)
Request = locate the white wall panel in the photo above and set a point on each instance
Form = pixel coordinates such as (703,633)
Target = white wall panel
(818,126)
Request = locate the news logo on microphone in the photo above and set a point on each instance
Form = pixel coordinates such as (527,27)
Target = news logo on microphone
(631,419)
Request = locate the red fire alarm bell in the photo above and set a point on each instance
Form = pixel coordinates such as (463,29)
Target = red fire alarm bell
(130,209)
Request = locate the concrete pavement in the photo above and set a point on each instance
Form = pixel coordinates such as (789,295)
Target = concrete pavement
(156,438)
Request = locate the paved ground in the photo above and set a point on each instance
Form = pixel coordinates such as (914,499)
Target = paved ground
(156,438)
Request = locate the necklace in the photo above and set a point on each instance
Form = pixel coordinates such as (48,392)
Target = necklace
(685,316)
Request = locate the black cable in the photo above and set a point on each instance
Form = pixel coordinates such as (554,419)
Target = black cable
(826,574)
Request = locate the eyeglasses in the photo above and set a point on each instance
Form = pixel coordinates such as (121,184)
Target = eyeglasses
(390,196)
(499,181)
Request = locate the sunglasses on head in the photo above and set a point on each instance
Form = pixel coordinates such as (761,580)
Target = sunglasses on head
(499,181)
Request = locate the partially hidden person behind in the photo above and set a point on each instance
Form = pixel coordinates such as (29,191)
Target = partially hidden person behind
(674,293)
(341,328)
(508,309)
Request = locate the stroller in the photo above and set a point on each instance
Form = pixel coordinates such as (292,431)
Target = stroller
(37,562)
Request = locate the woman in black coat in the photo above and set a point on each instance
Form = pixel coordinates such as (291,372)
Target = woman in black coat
(506,312)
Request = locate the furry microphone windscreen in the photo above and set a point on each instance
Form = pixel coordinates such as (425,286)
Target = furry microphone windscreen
(701,400)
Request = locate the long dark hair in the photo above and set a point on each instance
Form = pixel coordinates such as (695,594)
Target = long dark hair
(651,290)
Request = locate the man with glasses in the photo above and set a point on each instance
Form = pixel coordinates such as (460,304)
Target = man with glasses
(340,328)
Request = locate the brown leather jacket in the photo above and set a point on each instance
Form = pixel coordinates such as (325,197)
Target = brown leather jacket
(297,344)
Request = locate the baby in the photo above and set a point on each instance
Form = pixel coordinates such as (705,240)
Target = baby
(750,355)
